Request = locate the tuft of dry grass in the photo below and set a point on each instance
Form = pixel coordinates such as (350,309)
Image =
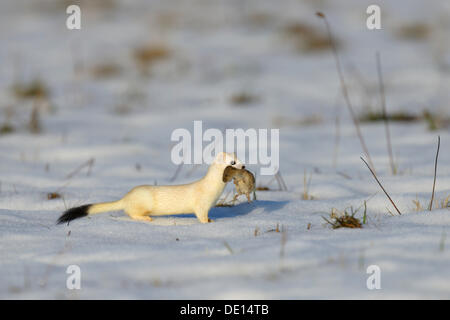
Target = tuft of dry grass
(444,203)
(399,116)
(34,89)
(148,55)
(6,128)
(343,219)
(414,31)
(433,120)
(243,98)
(53,195)
(306,183)
(306,38)
(305,121)
(417,205)
(105,70)
(277,229)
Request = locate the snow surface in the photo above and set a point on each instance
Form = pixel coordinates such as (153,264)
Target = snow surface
(217,51)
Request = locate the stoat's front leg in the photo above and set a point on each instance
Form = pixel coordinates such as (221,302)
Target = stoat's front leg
(202,215)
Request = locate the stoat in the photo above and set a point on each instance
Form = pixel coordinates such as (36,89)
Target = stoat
(145,201)
(243,179)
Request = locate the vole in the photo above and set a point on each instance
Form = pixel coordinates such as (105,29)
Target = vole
(243,179)
(145,201)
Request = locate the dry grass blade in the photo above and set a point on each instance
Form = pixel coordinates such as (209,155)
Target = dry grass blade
(337,138)
(228,247)
(281,184)
(435,171)
(224,203)
(34,124)
(190,172)
(344,88)
(276,229)
(283,241)
(306,183)
(384,112)
(177,171)
(375,176)
(88,164)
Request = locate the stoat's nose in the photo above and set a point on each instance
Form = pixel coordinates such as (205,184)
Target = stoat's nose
(243,167)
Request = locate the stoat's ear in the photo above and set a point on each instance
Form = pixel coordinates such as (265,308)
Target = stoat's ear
(221,157)
(227,174)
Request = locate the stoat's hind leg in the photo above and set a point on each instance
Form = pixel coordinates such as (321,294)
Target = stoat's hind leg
(141,218)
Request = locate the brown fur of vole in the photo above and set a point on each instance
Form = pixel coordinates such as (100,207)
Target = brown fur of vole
(243,179)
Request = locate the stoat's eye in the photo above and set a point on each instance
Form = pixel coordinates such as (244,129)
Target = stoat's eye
(233,163)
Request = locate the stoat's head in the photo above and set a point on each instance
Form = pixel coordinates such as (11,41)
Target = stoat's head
(225,159)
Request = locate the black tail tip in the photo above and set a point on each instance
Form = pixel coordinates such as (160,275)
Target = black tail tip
(73,213)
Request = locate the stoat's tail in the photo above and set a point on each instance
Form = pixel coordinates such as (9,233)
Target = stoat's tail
(89,209)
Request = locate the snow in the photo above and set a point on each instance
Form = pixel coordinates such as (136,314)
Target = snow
(215,53)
